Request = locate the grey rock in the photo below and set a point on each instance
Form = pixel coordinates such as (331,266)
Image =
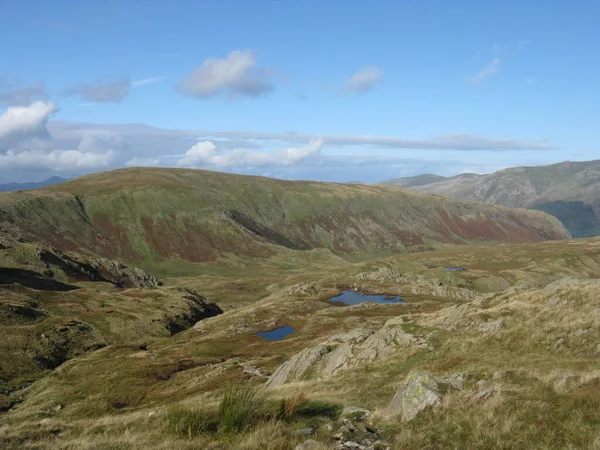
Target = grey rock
(352,444)
(346,351)
(494,325)
(418,391)
(305,431)
(252,370)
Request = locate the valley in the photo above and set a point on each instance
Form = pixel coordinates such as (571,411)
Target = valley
(131,301)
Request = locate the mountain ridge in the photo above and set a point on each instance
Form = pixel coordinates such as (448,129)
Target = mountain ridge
(568,190)
(192,215)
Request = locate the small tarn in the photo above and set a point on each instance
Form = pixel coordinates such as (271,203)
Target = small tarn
(350,298)
(277,334)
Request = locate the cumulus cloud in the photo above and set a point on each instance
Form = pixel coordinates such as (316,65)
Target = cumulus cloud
(490,69)
(21,96)
(27,144)
(101,92)
(75,148)
(58,160)
(236,74)
(20,123)
(364,80)
(207,154)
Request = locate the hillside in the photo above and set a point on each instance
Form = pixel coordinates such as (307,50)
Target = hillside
(569,191)
(509,347)
(146,215)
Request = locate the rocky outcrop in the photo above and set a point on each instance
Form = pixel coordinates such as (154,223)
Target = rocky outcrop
(65,342)
(196,308)
(305,289)
(418,391)
(346,351)
(100,269)
(418,284)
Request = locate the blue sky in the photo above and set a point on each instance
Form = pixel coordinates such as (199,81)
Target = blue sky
(327,90)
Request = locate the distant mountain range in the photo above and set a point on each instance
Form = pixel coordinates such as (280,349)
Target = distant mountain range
(570,191)
(32,185)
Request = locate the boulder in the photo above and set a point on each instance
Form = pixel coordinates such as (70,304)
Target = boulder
(418,391)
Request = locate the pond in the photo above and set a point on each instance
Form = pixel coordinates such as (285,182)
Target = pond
(454,269)
(277,334)
(356,298)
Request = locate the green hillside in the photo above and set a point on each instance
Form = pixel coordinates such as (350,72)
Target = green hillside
(149,215)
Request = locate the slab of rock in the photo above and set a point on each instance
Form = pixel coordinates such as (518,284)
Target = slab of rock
(419,390)
(492,326)
(346,351)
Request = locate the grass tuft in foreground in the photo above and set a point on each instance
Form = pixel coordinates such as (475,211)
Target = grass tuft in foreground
(239,407)
(189,424)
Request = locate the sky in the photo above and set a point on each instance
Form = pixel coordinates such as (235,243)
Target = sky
(297,89)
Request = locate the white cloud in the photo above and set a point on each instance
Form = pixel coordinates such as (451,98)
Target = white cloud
(236,75)
(490,69)
(206,154)
(58,160)
(364,80)
(142,162)
(19,123)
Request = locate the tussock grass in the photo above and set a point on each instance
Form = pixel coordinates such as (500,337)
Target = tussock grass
(239,407)
(189,424)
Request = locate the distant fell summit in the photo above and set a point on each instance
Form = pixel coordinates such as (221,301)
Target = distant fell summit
(570,191)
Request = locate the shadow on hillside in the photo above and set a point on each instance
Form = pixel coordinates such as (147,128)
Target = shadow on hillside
(33,280)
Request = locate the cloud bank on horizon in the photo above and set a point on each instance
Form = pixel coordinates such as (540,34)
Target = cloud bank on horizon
(30,140)
(385,102)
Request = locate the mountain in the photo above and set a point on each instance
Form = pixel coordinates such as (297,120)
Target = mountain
(170,349)
(32,185)
(569,191)
(419,180)
(152,214)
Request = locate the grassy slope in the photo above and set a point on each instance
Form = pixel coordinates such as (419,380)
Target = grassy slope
(550,336)
(150,215)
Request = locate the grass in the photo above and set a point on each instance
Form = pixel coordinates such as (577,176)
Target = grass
(189,424)
(534,407)
(239,407)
